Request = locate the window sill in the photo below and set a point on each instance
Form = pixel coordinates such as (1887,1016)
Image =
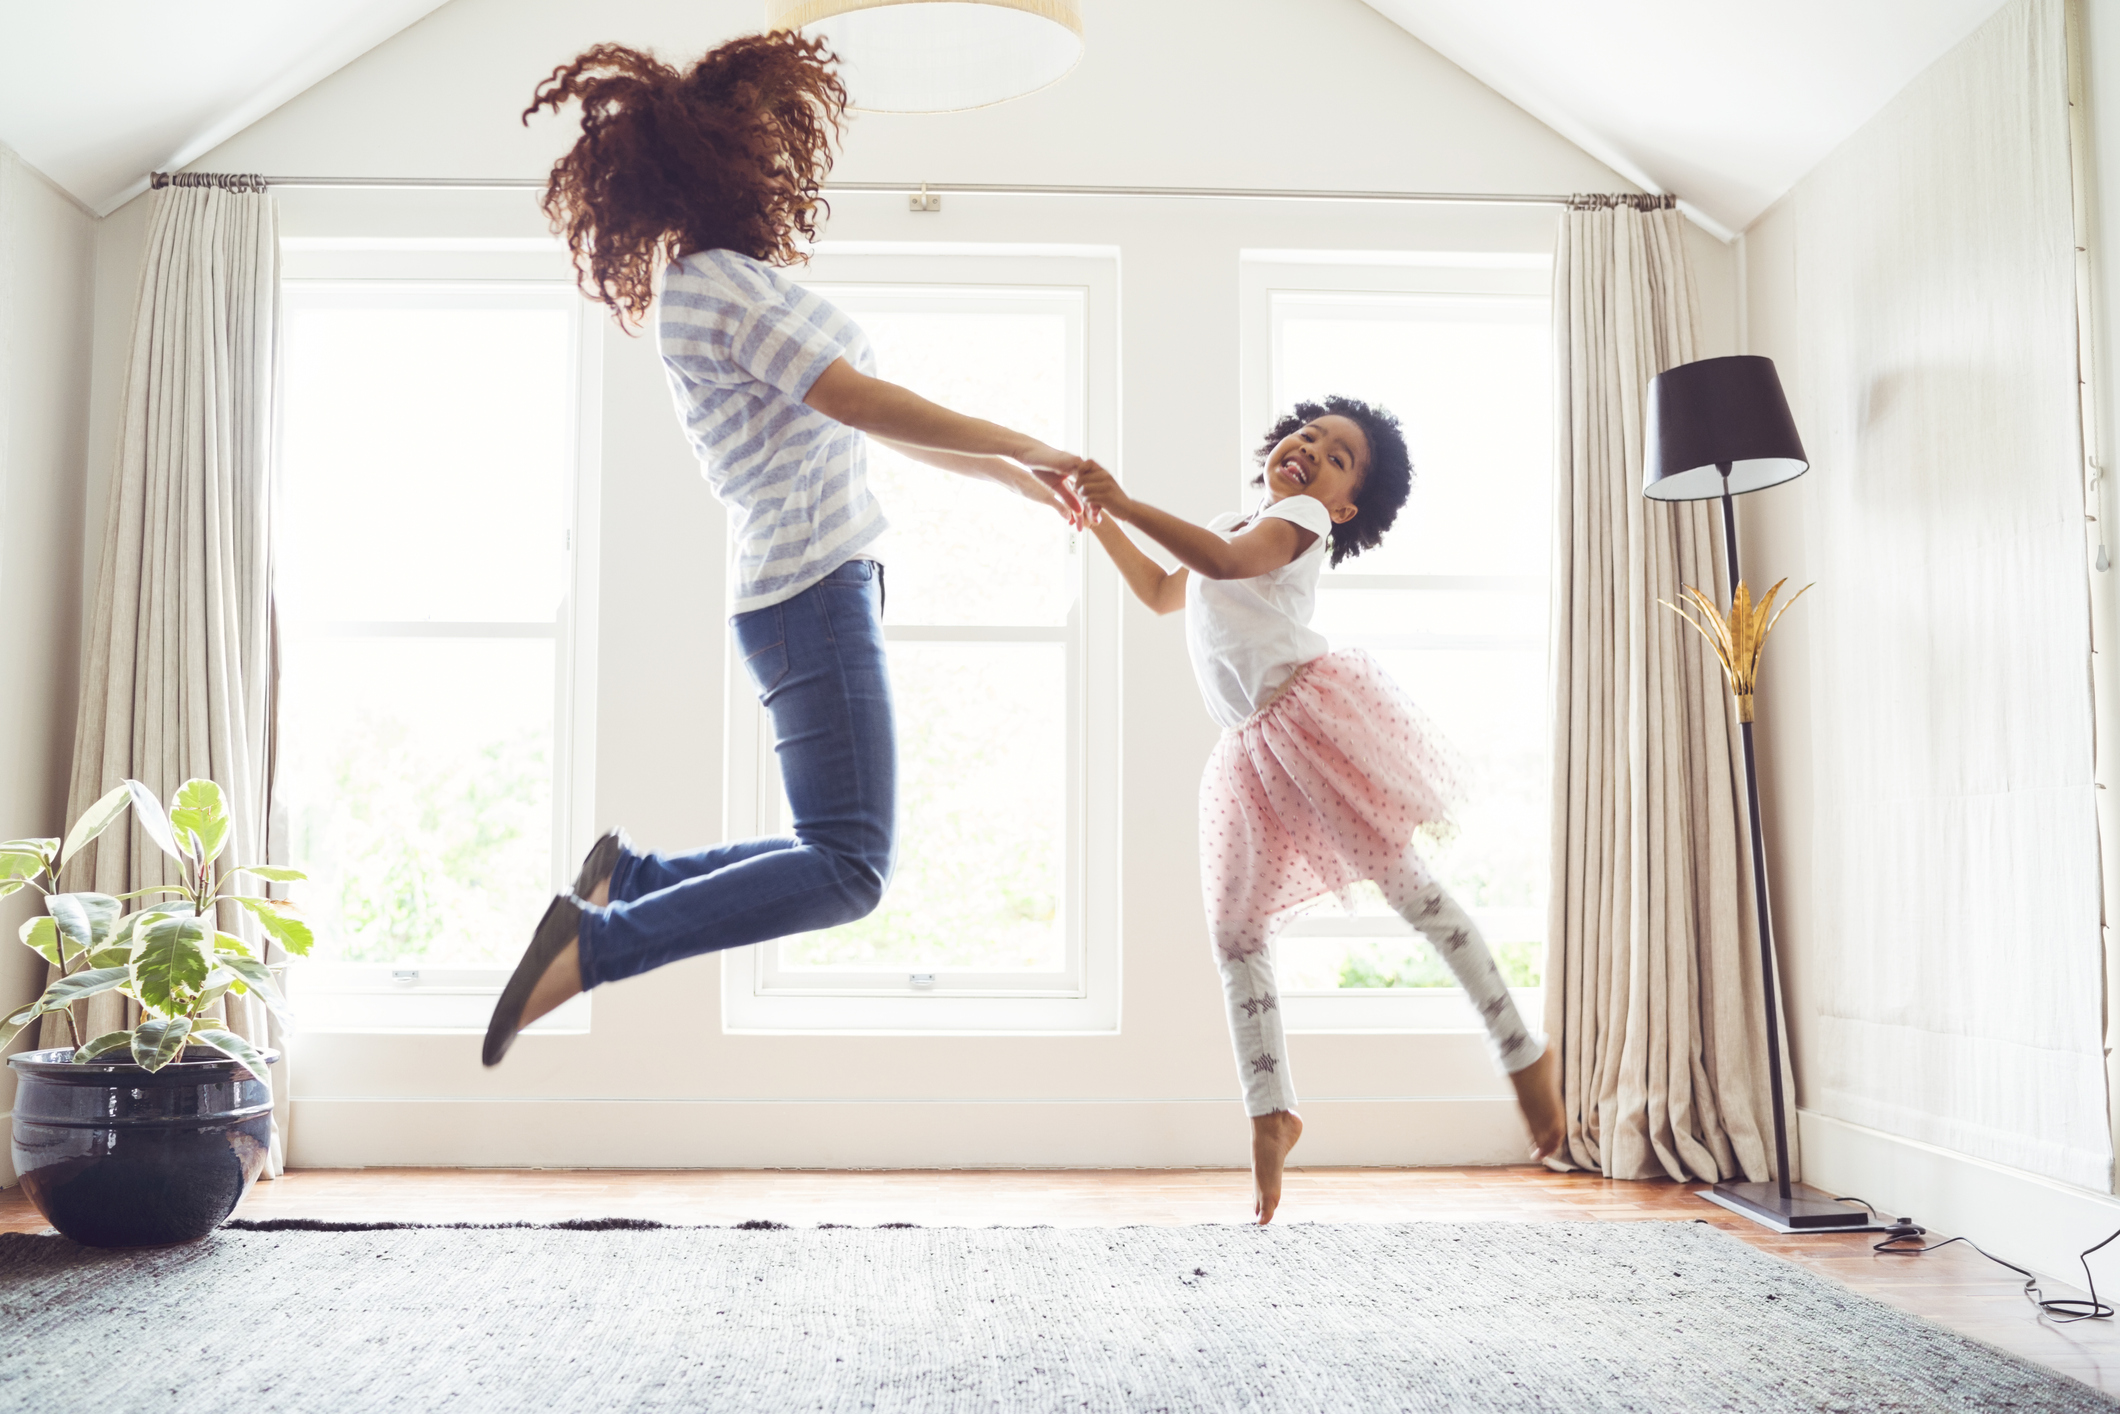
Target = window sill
(375,999)
(1397,1010)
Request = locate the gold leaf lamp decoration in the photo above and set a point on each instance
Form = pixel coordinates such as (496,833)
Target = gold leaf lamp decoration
(1741,638)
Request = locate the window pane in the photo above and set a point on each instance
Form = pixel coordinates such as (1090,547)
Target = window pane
(961,551)
(982,817)
(417,777)
(425,453)
(1469,380)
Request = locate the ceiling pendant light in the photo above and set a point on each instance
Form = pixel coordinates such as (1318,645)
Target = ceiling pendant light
(939,56)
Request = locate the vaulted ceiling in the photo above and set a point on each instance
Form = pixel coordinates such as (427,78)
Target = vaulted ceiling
(98,93)
(1724,102)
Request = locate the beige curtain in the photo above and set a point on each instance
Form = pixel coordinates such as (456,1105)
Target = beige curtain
(176,672)
(1652,973)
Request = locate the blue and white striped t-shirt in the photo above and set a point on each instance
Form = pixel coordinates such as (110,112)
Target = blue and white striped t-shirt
(742,344)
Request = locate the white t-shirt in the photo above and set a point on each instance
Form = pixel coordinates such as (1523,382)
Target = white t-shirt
(1248,636)
(741,344)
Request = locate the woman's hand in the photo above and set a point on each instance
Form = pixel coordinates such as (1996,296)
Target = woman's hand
(1051,488)
(1039,457)
(1101,492)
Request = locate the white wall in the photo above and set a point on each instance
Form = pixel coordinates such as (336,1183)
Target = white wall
(47,265)
(1181,92)
(1893,383)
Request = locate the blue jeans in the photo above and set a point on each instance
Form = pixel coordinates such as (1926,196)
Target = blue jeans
(818,662)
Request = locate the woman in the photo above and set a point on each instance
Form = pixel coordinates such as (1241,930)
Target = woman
(711,177)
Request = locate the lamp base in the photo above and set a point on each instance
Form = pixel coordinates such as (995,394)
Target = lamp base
(1805,1209)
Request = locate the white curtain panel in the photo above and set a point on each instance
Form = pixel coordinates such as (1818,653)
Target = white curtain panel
(177,662)
(1652,972)
(1953,975)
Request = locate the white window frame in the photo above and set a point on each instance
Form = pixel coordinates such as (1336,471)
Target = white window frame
(379,998)
(1083,998)
(1270,283)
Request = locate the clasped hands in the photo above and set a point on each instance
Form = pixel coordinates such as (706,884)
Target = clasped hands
(1079,489)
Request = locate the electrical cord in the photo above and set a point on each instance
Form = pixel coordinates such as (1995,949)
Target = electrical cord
(2061,1310)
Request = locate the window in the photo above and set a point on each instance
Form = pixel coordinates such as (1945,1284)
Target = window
(1000,915)
(1453,604)
(431,734)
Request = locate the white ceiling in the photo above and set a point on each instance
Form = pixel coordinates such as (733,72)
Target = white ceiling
(1725,102)
(99,93)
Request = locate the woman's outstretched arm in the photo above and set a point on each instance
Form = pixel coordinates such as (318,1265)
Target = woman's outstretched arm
(1270,544)
(899,415)
(1048,490)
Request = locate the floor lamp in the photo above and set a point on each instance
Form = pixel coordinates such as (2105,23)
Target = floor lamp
(1716,429)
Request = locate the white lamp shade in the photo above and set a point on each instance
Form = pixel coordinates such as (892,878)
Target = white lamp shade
(938,56)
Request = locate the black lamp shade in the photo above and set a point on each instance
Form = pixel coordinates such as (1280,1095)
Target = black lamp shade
(1719,412)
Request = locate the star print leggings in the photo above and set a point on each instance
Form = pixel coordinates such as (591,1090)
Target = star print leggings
(1244,953)
(1327,785)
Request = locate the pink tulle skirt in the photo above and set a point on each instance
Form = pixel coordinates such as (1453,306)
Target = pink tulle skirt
(1334,781)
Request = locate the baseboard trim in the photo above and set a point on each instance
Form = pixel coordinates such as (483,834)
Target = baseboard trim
(353,1132)
(2033,1221)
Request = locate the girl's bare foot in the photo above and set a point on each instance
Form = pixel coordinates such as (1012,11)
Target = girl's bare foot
(1538,1095)
(1272,1136)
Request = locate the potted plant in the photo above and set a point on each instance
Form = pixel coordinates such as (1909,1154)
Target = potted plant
(153,1133)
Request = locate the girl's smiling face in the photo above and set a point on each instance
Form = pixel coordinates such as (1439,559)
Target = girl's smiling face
(1324,459)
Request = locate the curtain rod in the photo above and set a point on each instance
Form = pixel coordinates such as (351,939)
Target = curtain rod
(977,189)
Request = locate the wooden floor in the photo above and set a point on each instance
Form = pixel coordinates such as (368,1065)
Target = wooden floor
(1955,1287)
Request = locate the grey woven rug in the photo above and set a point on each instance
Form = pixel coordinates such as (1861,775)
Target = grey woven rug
(1418,1316)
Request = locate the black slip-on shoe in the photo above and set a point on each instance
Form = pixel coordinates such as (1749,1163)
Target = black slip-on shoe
(560,926)
(600,861)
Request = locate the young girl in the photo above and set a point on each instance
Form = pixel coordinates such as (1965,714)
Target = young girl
(1325,774)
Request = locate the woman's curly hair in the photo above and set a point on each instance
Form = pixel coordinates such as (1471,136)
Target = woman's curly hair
(729,155)
(1384,487)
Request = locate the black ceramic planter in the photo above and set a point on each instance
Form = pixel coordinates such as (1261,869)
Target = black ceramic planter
(116,1156)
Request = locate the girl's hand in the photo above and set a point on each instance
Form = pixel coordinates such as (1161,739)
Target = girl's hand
(1101,492)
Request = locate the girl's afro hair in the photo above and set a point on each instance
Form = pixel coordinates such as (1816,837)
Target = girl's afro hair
(1384,487)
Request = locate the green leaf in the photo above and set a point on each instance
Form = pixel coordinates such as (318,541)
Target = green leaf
(29,845)
(94,821)
(272,915)
(199,806)
(259,979)
(63,992)
(228,944)
(102,1045)
(149,812)
(20,863)
(116,955)
(41,935)
(13,1026)
(85,920)
(159,1040)
(12,886)
(169,963)
(235,1048)
(271,871)
(68,990)
(219,983)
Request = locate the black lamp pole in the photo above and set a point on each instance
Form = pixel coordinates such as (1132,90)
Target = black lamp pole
(1718,427)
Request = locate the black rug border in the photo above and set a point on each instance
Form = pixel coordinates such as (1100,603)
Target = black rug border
(563,1225)
(762,1225)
